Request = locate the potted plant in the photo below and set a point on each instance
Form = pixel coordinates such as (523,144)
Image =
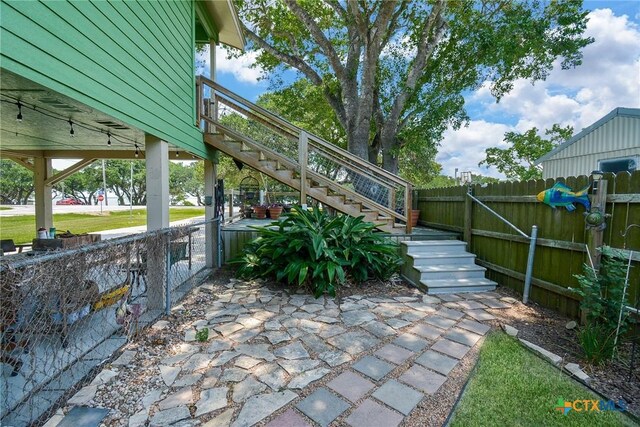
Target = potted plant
(260,211)
(275,211)
(415,214)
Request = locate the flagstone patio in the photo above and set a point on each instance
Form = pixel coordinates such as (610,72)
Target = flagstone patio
(291,360)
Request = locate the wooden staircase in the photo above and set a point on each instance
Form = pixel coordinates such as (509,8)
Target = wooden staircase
(362,190)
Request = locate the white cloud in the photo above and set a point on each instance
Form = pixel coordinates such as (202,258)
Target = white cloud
(465,148)
(609,77)
(240,68)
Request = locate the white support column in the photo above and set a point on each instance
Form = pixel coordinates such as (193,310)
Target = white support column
(211,229)
(157,162)
(42,171)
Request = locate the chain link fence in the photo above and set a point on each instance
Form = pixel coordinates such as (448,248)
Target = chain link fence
(64,313)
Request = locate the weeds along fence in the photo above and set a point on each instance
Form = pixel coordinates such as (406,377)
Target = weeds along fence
(64,313)
(562,235)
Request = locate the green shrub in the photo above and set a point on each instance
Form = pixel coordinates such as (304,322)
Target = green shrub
(602,295)
(312,248)
(202,335)
(187,203)
(597,342)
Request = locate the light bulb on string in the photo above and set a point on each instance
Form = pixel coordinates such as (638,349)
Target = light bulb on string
(19,116)
(72,133)
(177,154)
(109,139)
(137,151)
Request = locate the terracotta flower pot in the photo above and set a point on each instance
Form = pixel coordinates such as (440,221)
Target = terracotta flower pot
(415,214)
(260,212)
(275,212)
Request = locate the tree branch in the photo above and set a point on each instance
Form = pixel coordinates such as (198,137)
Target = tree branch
(319,37)
(291,60)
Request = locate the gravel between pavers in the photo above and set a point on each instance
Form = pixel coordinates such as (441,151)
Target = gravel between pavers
(124,395)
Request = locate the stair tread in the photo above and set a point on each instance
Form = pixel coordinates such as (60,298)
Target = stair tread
(443,283)
(442,255)
(450,267)
(434,243)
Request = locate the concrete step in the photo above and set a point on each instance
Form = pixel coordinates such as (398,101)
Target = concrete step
(434,247)
(451,272)
(421,260)
(457,286)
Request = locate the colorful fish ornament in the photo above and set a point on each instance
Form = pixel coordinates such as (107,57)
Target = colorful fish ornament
(561,195)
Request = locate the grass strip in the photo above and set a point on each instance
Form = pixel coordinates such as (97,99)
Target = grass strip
(22,228)
(513,387)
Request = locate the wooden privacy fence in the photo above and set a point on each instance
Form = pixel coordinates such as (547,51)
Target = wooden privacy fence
(562,235)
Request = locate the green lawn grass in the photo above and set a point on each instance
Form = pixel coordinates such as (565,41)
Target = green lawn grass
(4,208)
(22,228)
(513,387)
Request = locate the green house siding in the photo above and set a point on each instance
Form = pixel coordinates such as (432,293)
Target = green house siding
(131,60)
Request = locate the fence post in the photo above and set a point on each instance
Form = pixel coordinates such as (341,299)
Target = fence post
(156,272)
(167,307)
(408,207)
(468,210)
(596,234)
(527,277)
(302,160)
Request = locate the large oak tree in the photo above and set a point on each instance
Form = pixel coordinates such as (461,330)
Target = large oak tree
(395,72)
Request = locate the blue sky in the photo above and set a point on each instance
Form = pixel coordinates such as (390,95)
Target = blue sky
(608,78)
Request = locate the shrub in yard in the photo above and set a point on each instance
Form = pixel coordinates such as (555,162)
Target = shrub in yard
(322,251)
(602,295)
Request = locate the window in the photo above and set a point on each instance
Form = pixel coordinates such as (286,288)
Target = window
(628,164)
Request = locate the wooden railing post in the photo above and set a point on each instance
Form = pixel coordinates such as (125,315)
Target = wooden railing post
(408,206)
(303,156)
(468,211)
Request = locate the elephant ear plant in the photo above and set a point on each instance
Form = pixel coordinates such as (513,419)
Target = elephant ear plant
(315,249)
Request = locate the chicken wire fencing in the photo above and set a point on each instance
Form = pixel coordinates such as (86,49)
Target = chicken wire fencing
(65,313)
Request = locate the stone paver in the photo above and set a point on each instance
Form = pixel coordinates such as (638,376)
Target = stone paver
(354,342)
(394,354)
(322,406)
(260,406)
(463,337)
(480,315)
(373,367)
(422,379)
(473,326)
(306,378)
(351,385)
(411,342)
(211,400)
(372,414)
(426,331)
(437,362)
(289,418)
(399,396)
(335,358)
(268,347)
(440,322)
(292,351)
(170,416)
(451,348)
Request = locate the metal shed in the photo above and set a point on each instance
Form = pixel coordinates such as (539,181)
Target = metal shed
(612,144)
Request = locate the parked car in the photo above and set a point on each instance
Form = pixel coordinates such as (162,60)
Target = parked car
(69,201)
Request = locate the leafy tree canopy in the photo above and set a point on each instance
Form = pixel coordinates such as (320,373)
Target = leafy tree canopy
(394,72)
(517,161)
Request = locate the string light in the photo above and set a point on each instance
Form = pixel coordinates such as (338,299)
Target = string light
(19,116)
(137,151)
(109,140)
(177,154)
(71,131)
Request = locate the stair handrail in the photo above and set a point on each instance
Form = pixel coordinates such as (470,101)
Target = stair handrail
(280,121)
(373,172)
